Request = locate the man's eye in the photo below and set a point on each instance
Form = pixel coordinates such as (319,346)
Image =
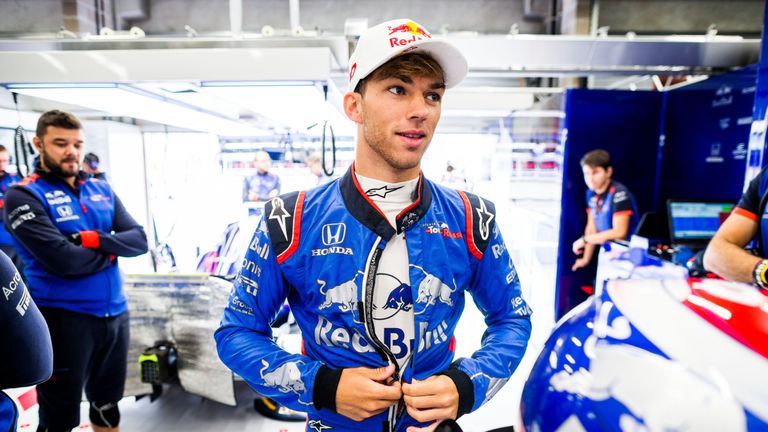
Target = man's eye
(396,90)
(434,97)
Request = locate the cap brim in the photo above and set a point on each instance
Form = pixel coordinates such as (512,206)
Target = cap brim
(451,60)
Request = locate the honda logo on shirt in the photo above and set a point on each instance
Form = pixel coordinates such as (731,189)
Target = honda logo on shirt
(334,233)
(64,211)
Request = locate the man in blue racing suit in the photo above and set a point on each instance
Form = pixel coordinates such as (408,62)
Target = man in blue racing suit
(375,266)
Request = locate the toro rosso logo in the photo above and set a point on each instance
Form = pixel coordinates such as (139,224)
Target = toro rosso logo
(408,28)
(443,229)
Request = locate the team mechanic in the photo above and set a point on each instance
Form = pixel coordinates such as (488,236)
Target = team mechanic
(375,266)
(70,229)
(725,254)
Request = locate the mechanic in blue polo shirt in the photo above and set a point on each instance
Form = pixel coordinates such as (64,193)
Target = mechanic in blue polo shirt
(6,180)
(726,254)
(263,185)
(611,208)
(70,229)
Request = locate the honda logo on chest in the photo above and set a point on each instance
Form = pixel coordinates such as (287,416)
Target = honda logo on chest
(334,233)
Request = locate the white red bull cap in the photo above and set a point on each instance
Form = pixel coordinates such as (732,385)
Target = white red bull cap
(382,42)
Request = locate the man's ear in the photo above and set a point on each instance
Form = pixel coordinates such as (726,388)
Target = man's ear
(37,143)
(353,106)
(609,171)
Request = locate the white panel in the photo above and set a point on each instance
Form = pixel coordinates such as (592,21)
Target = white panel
(119,148)
(484,99)
(166,64)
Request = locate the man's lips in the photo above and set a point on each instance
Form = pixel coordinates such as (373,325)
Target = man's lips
(412,134)
(412,138)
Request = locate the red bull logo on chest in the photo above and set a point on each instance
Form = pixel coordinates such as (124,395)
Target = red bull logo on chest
(406,33)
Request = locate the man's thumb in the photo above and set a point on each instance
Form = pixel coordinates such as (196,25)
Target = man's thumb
(382,373)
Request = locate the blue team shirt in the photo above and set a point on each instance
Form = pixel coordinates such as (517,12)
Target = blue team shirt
(261,184)
(6,180)
(616,200)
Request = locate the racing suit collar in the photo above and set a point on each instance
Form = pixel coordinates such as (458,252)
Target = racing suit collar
(366,212)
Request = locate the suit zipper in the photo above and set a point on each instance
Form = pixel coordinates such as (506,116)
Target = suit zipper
(371,265)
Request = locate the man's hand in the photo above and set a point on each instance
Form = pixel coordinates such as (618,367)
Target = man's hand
(75,238)
(434,399)
(364,392)
(253,196)
(581,262)
(578,246)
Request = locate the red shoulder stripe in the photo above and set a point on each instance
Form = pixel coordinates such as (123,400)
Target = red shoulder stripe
(296,238)
(30,179)
(470,229)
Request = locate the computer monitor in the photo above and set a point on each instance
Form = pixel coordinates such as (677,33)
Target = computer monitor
(696,222)
(654,226)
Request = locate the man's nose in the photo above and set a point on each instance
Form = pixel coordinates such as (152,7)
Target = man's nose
(418,108)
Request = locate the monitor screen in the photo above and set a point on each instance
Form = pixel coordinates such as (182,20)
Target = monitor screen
(697,220)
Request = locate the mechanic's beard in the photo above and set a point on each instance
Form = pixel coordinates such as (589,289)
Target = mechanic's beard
(57,169)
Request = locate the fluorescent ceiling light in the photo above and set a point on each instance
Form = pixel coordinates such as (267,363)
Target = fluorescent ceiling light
(539,114)
(485,99)
(474,113)
(129,101)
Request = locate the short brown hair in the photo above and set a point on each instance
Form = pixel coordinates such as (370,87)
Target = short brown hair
(56,118)
(312,158)
(404,67)
(597,158)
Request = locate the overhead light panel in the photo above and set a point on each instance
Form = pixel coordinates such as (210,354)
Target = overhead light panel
(129,101)
(296,105)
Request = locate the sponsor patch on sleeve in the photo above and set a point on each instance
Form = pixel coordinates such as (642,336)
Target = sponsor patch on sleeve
(481,222)
(283,216)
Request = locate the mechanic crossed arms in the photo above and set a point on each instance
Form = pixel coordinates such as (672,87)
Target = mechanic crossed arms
(375,266)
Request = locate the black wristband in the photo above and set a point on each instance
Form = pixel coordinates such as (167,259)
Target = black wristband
(326,384)
(464,387)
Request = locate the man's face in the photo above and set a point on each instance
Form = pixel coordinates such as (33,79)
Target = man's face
(316,168)
(87,168)
(60,150)
(263,162)
(597,178)
(397,118)
(5,159)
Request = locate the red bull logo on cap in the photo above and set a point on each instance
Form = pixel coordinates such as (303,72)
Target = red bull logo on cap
(417,33)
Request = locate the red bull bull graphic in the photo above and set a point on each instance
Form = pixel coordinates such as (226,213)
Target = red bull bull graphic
(343,295)
(398,299)
(412,32)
